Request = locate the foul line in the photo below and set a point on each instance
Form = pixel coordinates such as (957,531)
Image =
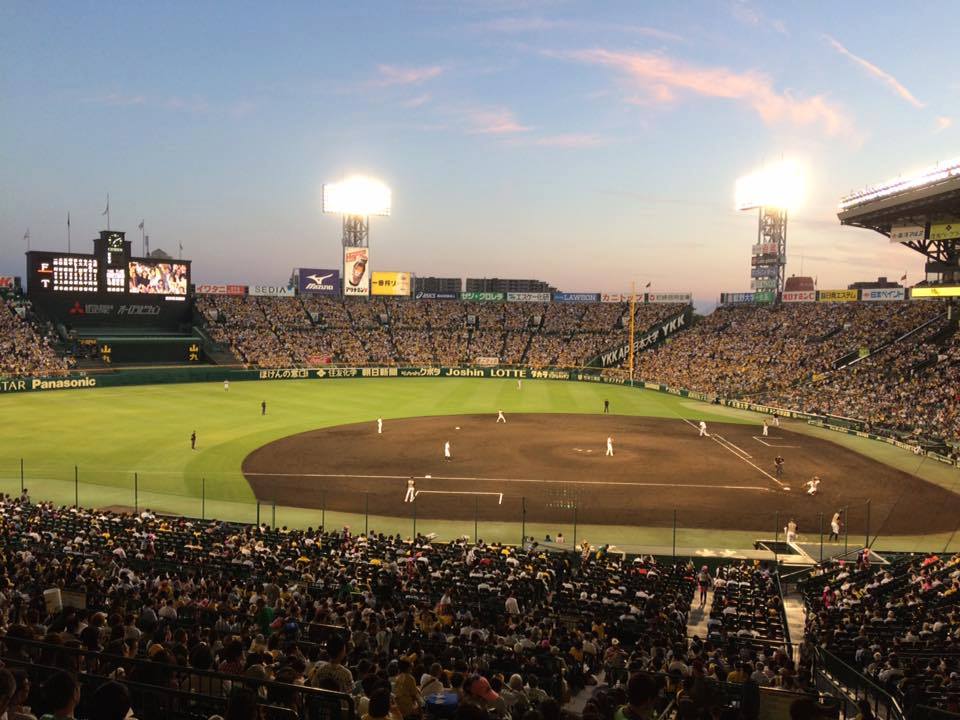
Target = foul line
(734,452)
(512,480)
(764,442)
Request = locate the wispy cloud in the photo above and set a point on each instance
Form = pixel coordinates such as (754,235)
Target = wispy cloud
(665,79)
(943,122)
(747,14)
(872,69)
(117,100)
(528,24)
(391,75)
(417,101)
(570,140)
(493,121)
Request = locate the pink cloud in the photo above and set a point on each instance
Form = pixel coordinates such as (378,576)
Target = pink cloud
(396,75)
(417,101)
(494,121)
(881,75)
(665,79)
(943,122)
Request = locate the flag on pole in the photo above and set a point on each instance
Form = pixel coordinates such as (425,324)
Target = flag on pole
(140,225)
(649,284)
(68,219)
(106,210)
(903,279)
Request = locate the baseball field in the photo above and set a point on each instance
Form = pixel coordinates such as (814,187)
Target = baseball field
(316,457)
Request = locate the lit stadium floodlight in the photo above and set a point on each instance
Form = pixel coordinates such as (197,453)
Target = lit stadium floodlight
(358,195)
(776,186)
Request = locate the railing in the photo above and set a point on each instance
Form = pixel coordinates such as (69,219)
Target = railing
(885,707)
(161,690)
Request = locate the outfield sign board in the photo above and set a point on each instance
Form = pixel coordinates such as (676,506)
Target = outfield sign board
(765,297)
(935,291)
(575,297)
(615,297)
(907,233)
(837,295)
(318,281)
(221,289)
(793,296)
(271,291)
(737,298)
(669,297)
(528,297)
(356,271)
(945,231)
(395,284)
(421,295)
(482,296)
(883,294)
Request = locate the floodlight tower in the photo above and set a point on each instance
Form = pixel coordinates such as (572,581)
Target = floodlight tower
(356,199)
(772,192)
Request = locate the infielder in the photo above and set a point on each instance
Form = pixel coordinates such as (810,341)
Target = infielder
(766,429)
(778,466)
(226,385)
(776,421)
(500,417)
(703,429)
(813,484)
(411,490)
(609,447)
(446,451)
(379,426)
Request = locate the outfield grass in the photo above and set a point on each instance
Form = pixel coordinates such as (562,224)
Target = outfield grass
(105,436)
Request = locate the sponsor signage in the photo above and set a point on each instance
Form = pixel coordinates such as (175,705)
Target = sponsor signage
(390,283)
(736,298)
(356,271)
(764,297)
(8,282)
(648,339)
(671,297)
(945,231)
(318,281)
(482,296)
(882,294)
(800,296)
(935,291)
(837,295)
(614,297)
(907,233)
(421,295)
(221,289)
(528,297)
(575,297)
(271,291)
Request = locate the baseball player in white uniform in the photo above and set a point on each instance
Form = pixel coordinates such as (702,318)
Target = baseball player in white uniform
(446,451)
(776,421)
(766,429)
(226,385)
(519,384)
(411,490)
(500,417)
(813,485)
(609,447)
(703,429)
(379,426)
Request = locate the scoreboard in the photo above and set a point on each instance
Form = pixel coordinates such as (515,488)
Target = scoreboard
(110,269)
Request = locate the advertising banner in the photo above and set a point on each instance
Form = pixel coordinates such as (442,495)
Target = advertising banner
(945,231)
(669,297)
(528,297)
(482,296)
(883,294)
(800,296)
(907,233)
(764,297)
(221,289)
(318,281)
(736,298)
(356,271)
(763,284)
(271,291)
(421,295)
(575,297)
(935,291)
(390,283)
(616,298)
(837,295)
(8,282)
(642,341)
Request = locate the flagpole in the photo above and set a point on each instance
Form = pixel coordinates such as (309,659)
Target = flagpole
(633,306)
(68,232)
(143,239)
(26,236)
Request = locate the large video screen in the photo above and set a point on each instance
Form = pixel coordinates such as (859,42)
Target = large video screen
(159,278)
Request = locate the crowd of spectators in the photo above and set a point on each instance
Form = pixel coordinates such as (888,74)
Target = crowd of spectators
(278,332)
(899,624)
(26,348)
(168,600)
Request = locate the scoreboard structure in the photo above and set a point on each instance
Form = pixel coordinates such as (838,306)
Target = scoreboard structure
(110,269)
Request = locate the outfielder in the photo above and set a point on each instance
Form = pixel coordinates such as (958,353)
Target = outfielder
(703,429)
(226,385)
(411,490)
(609,447)
(446,451)
(500,417)
(519,384)
(379,426)
(776,421)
